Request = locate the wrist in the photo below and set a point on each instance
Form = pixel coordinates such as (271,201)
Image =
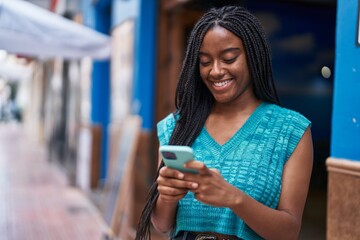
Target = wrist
(237,199)
(163,215)
(164,201)
(163,205)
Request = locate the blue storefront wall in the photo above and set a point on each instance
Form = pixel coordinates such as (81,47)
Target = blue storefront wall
(144,12)
(98,16)
(345,138)
(145,62)
(103,16)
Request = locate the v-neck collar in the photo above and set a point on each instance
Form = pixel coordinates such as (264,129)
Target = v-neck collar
(247,128)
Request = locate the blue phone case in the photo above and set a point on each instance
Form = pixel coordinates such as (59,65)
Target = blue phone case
(176,156)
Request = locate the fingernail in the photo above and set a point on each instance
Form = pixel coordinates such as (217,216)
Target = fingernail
(181,175)
(194,185)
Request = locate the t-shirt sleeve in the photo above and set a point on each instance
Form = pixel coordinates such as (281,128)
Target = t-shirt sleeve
(165,128)
(298,126)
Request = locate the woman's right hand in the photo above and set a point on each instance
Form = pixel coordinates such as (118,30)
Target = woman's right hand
(171,185)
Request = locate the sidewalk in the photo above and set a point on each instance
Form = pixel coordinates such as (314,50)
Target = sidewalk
(36,201)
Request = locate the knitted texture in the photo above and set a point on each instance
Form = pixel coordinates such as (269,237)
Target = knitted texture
(252,160)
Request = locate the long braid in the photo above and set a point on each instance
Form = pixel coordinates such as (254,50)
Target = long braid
(193,101)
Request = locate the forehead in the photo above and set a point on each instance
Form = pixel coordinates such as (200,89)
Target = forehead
(220,37)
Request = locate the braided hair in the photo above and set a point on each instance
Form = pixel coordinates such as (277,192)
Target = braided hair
(194,101)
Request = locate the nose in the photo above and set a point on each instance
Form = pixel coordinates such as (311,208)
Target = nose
(217,71)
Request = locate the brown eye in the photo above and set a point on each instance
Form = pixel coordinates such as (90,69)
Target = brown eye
(204,64)
(204,60)
(230,60)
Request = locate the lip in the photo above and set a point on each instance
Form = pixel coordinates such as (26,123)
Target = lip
(224,84)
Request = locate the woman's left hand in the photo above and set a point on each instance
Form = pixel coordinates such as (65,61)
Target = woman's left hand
(212,188)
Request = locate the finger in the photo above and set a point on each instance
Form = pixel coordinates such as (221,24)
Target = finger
(168,198)
(169,191)
(199,166)
(214,170)
(171,173)
(176,183)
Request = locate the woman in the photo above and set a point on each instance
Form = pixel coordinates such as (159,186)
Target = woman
(254,157)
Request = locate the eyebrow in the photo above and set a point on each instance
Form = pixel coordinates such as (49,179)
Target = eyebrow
(222,51)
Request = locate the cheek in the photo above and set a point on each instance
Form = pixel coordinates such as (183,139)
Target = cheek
(203,73)
(246,74)
(241,70)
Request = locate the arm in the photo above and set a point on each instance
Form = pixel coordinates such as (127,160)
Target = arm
(281,223)
(285,221)
(172,187)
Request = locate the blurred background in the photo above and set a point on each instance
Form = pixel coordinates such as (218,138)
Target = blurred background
(84,82)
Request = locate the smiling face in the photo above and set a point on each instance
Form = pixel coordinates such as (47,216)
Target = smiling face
(223,67)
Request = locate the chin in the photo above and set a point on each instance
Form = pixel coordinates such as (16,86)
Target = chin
(222,100)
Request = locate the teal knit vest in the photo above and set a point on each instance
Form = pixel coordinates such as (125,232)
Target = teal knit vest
(252,160)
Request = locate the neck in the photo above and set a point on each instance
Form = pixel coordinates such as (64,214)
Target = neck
(241,107)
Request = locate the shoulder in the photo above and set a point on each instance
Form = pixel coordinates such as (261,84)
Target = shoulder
(165,128)
(287,117)
(289,125)
(168,121)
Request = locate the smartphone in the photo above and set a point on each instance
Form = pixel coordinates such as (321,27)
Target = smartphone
(176,156)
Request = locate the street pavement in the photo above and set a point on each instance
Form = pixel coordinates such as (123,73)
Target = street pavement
(36,200)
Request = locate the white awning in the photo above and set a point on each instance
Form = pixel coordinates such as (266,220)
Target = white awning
(29,30)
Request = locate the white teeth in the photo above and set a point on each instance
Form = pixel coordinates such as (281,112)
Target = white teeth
(220,84)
